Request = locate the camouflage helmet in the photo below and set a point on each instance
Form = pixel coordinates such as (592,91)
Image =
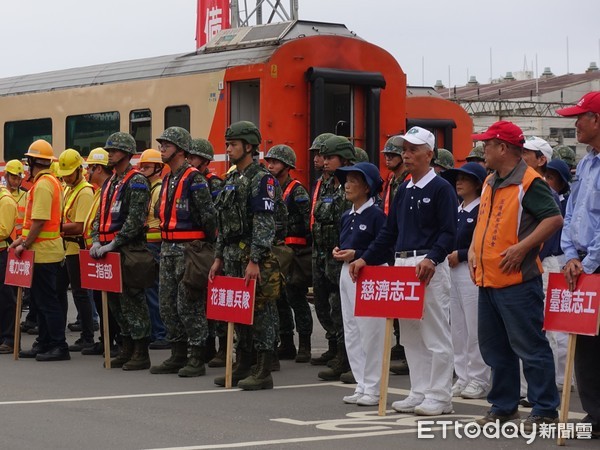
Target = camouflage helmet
(338,146)
(444,159)
(394,145)
(177,136)
(121,141)
(361,155)
(245,131)
(316,145)
(476,153)
(564,153)
(283,153)
(203,148)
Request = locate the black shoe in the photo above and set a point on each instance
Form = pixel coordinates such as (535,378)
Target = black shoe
(160,344)
(80,344)
(96,349)
(26,325)
(74,326)
(54,354)
(33,331)
(32,352)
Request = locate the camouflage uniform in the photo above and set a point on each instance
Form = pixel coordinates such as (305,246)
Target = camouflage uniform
(204,149)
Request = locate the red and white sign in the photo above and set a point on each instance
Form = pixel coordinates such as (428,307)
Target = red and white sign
(213,16)
(390,292)
(19,271)
(100,274)
(230,300)
(573,312)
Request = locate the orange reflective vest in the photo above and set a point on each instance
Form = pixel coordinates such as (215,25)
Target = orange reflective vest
(503,222)
(175,215)
(51,228)
(21,199)
(315,197)
(111,216)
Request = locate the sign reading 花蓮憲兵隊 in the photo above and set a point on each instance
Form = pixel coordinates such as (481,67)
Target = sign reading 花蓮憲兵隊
(230,300)
(572,312)
(389,292)
(19,271)
(102,274)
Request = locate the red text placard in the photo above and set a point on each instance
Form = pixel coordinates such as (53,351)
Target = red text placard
(100,274)
(19,271)
(390,292)
(573,312)
(230,300)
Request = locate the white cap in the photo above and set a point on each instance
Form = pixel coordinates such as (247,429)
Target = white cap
(537,144)
(419,136)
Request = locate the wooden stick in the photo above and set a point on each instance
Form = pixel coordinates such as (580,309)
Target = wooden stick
(385,366)
(105,330)
(566,393)
(17,343)
(229,356)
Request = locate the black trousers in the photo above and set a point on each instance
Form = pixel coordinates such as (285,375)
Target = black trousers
(7,305)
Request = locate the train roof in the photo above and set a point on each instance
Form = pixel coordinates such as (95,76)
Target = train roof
(228,48)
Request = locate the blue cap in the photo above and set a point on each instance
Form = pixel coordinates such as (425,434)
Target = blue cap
(471,168)
(369,171)
(561,167)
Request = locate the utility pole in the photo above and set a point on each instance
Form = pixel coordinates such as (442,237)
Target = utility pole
(274,10)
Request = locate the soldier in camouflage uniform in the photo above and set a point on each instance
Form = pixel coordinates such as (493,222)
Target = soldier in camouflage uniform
(186,215)
(443,161)
(476,154)
(331,203)
(280,159)
(361,155)
(246,223)
(120,222)
(566,154)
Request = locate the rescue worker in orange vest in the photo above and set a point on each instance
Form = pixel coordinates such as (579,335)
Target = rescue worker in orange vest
(8,218)
(516,215)
(187,215)
(78,199)
(41,234)
(119,226)
(98,173)
(151,166)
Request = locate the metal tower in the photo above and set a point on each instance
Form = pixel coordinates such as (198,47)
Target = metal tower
(243,15)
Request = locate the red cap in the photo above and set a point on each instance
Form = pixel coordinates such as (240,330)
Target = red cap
(590,102)
(503,130)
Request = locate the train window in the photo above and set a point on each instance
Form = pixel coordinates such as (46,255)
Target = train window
(19,135)
(85,132)
(245,101)
(140,127)
(177,116)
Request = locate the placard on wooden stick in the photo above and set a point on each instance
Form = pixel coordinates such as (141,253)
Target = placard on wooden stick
(390,293)
(19,272)
(229,299)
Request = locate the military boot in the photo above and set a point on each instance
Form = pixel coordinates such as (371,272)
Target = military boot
(348,378)
(241,371)
(303,349)
(140,360)
(328,355)
(261,378)
(275,363)
(340,366)
(287,349)
(125,353)
(399,367)
(219,359)
(209,350)
(195,364)
(175,362)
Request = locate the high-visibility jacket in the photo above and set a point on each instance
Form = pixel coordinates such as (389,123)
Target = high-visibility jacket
(7,213)
(112,216)
(501,223)
(51,228)
(176,223)
(153,222)
(89,221)
(20,197)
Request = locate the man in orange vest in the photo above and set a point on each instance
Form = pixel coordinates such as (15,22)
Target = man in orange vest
(41,233)
(8,217)
(517,214)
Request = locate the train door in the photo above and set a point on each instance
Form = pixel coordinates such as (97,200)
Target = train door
(245,101)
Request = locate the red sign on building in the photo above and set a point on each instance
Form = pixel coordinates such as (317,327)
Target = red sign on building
(573,312)
(19,271)
(213,16)
(230,300)
(100,274)
(390,292)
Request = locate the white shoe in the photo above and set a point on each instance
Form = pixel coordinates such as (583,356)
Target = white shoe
(368,400)
(457,388)
(407,405)
(431,407)
(352,399)
(473,390)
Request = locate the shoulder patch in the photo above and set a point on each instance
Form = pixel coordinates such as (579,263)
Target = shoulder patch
(139,186)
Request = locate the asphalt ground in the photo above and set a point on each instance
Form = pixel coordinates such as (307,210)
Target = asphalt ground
(78,404)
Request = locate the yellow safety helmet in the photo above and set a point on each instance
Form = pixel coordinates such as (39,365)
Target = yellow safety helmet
(14,167)
(68,162)
(151,156)
(40,149)
(98,156)
(54,169)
